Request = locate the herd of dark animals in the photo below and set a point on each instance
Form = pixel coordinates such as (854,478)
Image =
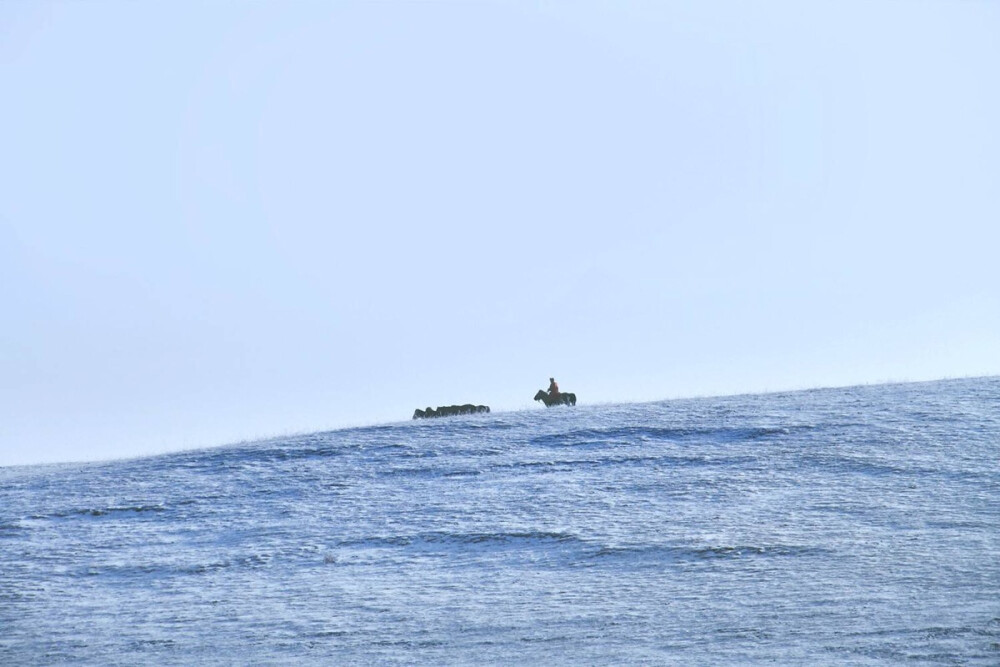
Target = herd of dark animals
(564,398)
(450,410)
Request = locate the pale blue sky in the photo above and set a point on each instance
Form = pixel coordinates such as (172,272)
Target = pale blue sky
(232,220)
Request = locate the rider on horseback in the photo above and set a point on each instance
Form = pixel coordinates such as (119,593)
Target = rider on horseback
(555,397)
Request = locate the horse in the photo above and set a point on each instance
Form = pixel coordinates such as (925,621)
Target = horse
(565,398)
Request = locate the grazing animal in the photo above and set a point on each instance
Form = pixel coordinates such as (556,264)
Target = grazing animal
(450,410)
(565,398)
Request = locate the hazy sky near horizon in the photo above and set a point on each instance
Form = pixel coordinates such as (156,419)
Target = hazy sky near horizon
(232,220)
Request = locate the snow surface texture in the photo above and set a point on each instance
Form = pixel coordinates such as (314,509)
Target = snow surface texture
(857,525)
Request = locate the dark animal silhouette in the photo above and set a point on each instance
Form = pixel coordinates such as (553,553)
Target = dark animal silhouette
(450,410)
(565,398)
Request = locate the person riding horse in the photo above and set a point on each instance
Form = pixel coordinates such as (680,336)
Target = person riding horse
(555,397)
